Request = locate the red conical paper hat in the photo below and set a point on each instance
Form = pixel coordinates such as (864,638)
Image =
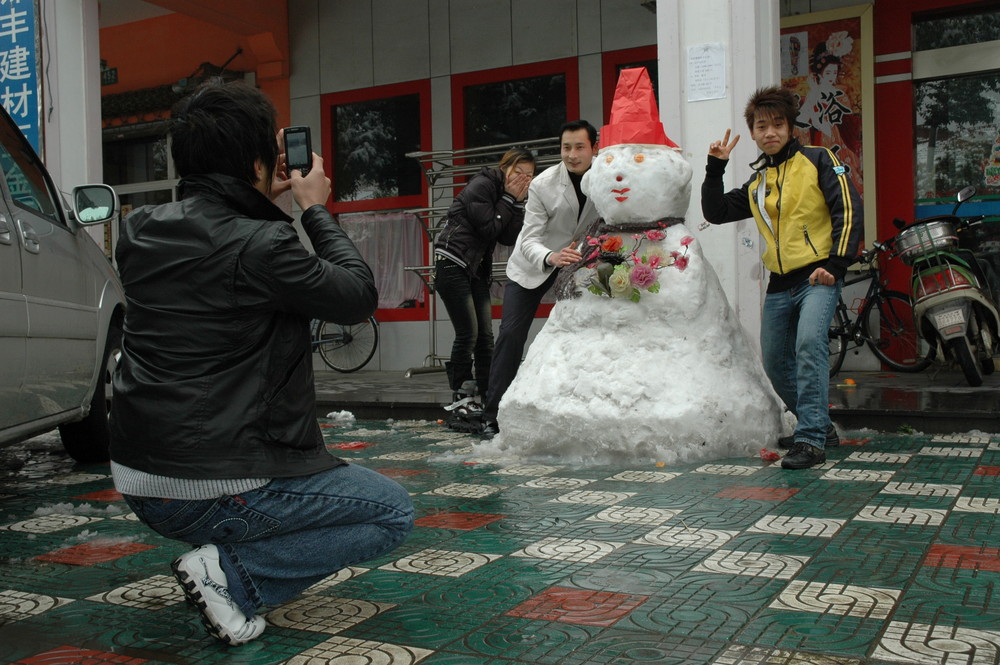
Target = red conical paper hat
(634,115)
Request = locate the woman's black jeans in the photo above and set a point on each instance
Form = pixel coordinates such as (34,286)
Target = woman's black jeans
(467,300)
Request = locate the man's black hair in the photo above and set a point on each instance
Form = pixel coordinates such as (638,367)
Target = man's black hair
(580,124)
(224,128)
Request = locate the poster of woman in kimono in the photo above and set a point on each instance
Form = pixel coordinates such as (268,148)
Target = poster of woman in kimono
(820,63)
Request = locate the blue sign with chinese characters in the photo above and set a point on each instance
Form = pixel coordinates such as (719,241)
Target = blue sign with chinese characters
(19,92)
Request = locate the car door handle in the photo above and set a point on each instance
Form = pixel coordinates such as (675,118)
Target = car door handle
(5,238)
(28,237)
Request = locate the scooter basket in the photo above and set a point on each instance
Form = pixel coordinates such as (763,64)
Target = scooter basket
(920,239)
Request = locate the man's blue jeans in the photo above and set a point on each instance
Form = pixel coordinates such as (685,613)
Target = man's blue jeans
(280,539)
(795,342)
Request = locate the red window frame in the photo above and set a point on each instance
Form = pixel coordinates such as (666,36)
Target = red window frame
(422,88)
(328,101)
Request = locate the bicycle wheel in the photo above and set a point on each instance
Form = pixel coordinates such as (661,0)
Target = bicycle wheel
(838,341)
(347,348)
(891,333)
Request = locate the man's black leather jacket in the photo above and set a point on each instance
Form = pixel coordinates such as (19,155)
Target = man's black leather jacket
(215,378)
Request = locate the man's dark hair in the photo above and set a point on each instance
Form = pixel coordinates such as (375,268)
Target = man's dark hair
(580,124)
(224,128)
(772,102)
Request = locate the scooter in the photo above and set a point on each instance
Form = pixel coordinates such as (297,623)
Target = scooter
(953,307)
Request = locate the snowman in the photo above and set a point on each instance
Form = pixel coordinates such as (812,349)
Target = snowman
(642,358)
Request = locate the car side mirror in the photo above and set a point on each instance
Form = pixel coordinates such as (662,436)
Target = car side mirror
(95,204)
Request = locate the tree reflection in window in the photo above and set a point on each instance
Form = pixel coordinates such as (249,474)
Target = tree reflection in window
(371,139)
(971,28)
(956,132)
(516,110)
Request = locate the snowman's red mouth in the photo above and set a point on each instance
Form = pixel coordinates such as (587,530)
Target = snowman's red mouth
(620,192)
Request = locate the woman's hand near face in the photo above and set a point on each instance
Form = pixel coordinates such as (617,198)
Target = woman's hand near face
(516,184)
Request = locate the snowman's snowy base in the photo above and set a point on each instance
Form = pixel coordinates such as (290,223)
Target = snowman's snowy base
(672,379)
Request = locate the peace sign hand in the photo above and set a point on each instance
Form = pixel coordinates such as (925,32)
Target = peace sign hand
(721,149)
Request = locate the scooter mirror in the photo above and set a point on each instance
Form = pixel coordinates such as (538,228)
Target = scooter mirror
(966,194)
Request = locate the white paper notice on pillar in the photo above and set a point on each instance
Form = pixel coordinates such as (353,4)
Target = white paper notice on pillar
(706,72)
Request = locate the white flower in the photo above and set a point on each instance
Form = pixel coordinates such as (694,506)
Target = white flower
(839,44)
(619,283)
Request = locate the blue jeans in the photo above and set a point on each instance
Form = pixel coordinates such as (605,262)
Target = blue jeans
(471,312)
(795,343)
(280,539)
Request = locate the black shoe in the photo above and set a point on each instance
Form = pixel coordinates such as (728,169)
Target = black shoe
(490,429)
(832,440)
(803,456)
(471,423)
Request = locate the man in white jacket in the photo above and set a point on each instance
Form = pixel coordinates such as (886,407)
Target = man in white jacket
(555,212)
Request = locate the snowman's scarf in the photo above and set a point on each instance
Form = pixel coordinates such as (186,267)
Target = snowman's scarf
(566,287)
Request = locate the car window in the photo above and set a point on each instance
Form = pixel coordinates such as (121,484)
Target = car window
(24,174)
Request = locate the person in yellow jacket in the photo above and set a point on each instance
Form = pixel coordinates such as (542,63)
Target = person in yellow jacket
(811,219)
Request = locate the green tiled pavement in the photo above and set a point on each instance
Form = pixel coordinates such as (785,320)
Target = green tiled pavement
(888,553)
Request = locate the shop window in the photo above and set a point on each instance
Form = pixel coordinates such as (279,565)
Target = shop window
(958,143)
(512,104)
(935,32)
(368,134)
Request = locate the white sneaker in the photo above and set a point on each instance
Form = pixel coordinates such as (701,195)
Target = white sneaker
(203,582)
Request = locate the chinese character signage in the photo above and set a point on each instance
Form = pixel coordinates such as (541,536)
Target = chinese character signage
(18,70)
(821,64)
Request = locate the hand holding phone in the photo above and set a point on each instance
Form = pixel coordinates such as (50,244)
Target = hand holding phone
(298,150)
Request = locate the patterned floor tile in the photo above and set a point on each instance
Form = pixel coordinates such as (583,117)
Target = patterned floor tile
(921,489)
(758,493)
(441,562)
(815,527)
(974,439)
(633,515)
(901,515)
(929,645)
(18,605)
(324,614)
(846,599)
(755,564)
(578,606)
(152,593)
(569,549)
(971,558)
(739,654)
(734,562)
(461,521)
(679,536)
(50,523)
(79,655)
(94,552)
(346,651)
(644,476)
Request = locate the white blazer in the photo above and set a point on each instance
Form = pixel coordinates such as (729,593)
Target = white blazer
(551,220)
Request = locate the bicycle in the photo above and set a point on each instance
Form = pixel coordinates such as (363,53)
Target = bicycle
(884,322)
(345,348)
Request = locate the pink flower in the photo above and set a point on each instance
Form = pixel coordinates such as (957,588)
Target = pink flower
(686,240)
(654,261)
(592,241)
(681,262)
(642,276)
(655,235)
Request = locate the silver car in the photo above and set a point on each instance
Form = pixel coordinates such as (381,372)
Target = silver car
(61,305)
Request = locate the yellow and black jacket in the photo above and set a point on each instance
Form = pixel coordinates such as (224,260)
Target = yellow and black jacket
(812,215)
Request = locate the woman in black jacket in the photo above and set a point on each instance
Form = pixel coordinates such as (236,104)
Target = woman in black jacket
(489,210)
